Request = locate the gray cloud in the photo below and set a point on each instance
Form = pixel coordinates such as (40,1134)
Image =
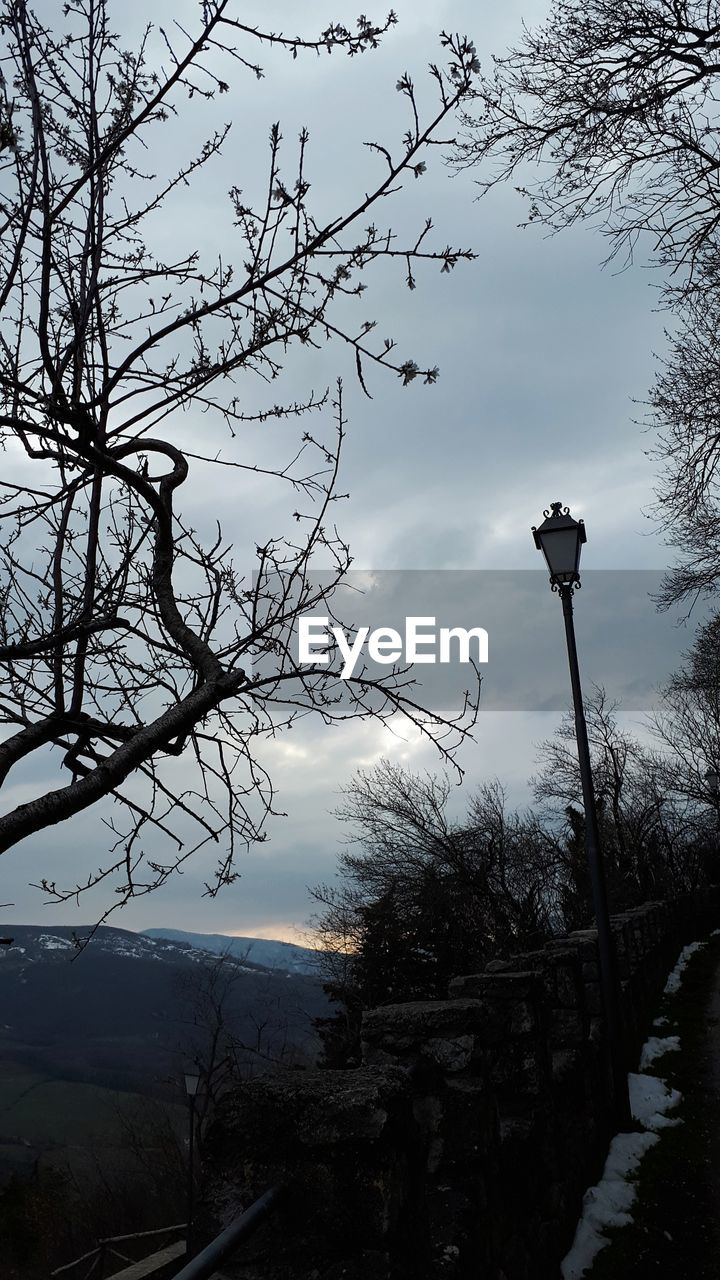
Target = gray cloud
(541,355)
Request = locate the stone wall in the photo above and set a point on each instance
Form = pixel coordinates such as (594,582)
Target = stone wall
(462,1145)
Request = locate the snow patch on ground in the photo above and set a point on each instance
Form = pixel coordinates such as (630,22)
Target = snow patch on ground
(655,1047)
(673,983)
(609,1203)
(650,1099)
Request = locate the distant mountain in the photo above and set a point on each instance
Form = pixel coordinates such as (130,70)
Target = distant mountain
(118,1012)
(286,956)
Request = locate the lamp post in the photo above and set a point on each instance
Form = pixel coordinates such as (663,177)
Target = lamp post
(192,1084)
(560,538)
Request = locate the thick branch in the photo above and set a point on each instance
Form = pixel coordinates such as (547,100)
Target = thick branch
(56,806)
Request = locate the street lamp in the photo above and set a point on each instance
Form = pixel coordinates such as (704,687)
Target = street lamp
(192,1085)
(560,539)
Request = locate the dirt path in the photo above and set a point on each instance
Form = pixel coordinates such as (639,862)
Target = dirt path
(676,1229)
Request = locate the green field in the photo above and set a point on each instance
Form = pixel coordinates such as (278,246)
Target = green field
(79,1162)
(61,1119)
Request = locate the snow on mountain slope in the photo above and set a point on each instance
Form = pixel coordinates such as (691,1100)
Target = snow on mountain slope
(266,952)
(34,943)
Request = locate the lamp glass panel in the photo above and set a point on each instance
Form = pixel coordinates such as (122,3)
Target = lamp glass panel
(192,1083)
(561,549)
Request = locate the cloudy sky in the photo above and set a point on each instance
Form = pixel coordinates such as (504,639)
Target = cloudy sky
(541,354)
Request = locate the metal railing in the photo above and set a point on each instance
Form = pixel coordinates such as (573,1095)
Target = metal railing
(202,1266)
(105,1251)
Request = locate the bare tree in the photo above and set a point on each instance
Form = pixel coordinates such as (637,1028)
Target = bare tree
(618,101)
(126,637)
(647,830)
(403,832)
(687,726)
(685,413)
(432,893)
(608,113)
(238,1022)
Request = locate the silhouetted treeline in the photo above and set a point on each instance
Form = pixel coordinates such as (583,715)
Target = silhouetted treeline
(425,896)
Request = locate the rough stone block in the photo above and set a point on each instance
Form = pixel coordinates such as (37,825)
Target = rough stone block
(566,1066)
(520,1069)
(471,1125)
(509,985)
(567,1029)
(443,1031)
(339,1140)
(593,999)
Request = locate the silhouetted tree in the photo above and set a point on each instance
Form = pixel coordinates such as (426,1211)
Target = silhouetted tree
(607,114)
(685,413)
(226,1041)
(647,835)
(126,637)
(686,725)
(615,100)
(427,897)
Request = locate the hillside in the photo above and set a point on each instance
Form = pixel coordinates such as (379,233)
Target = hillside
(81,1030)
(117,1012)
(268,953)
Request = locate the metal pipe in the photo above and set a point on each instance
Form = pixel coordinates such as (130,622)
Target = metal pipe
(202,1266)
(609,982)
